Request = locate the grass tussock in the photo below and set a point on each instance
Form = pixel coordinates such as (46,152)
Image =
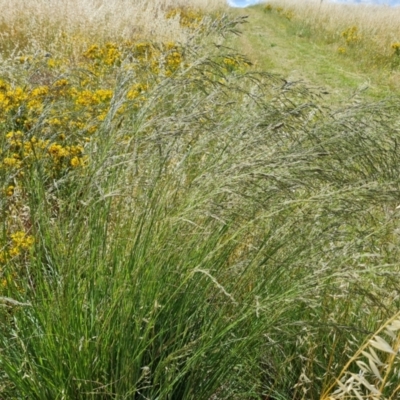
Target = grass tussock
(176,225)
(368,33)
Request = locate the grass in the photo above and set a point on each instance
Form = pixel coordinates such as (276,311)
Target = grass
(178,225)
(351,24)
(365,35)
(43,22)
(298,49)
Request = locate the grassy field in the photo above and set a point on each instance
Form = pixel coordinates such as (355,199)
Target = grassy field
(182,219)
(294,39)
(369,30)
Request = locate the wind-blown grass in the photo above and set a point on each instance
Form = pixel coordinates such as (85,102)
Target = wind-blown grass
(227,238)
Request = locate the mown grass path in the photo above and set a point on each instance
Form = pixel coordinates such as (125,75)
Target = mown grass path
(278,45)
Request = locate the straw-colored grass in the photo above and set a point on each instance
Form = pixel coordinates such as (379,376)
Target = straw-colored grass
(41,22)
(376,372)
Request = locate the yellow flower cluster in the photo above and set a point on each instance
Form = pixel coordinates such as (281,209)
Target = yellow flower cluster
(10,98)
(92,98)
(351,35)
(19,243)
(396,48)
(23,151)
(145,58)
(61,155)
(235,63)
(108,54)
(9,190)
(188,17)
(287,13)
(136,90)
(71,108)
(16,245)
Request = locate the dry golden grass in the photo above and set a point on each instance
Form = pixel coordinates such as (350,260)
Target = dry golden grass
(41,22)
(377,362)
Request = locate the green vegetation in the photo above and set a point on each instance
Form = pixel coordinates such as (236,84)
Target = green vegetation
(298,50)
(179,225)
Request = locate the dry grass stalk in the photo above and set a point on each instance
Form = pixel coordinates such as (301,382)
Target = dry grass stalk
(377,362)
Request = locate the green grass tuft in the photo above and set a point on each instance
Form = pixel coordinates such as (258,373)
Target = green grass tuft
(226,237)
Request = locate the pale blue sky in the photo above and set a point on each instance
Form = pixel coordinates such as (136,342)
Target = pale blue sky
(244,3)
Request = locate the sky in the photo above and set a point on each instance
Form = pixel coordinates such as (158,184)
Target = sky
(245,3)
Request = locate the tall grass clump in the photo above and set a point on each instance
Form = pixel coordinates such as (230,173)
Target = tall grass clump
(368,33)
(176,225)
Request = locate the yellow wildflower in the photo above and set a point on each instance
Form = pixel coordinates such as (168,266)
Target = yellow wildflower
(396,47)
(75,162)
(103,95)
(4,86)
(351,35)
(57,151)
(10,190)
(12,162)
(92,52)
(40,91)
(61,83)
(136,90)
(14,251)
(51,63)
(21,240)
